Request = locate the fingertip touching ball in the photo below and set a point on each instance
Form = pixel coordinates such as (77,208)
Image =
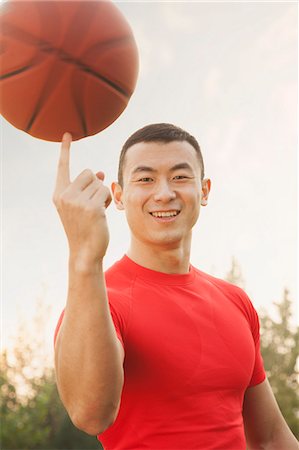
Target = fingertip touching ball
(65,66)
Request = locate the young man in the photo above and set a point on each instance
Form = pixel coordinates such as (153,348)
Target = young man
(156,354)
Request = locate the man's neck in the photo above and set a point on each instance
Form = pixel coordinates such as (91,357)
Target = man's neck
(174,260)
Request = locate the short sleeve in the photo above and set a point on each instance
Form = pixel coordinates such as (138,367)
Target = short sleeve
(115,318)
(120,309)
(258,374)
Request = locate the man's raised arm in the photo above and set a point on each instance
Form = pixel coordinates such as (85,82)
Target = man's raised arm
(88,354)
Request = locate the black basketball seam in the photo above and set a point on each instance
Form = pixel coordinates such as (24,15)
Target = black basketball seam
(105,80)
(82,120)
(33,117)
(15,72)
(37,110)
(40,105)
(65,57)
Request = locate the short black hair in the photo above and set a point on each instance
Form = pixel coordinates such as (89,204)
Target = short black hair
(158,132)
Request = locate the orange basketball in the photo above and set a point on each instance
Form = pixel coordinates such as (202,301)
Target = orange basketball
(65,66)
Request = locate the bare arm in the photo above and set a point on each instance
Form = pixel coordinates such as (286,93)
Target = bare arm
(265,426)
(88,355)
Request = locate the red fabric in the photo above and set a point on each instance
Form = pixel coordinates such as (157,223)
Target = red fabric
(191,350)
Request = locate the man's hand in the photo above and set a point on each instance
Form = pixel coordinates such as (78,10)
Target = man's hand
(81,206)
(86,343)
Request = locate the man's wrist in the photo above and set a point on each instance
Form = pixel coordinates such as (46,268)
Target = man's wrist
(83,265)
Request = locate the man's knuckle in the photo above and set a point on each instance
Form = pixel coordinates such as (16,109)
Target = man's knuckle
(55,198)
(65,199)
(88,173)
(58,198)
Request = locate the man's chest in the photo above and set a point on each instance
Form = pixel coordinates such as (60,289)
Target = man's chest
(185,340)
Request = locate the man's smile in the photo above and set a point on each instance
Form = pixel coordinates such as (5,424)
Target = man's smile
(165,214)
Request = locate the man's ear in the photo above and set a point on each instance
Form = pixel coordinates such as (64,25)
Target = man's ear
(117,195)
(205,190)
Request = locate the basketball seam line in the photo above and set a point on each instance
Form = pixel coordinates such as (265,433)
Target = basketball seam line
(45,47)
(15,72)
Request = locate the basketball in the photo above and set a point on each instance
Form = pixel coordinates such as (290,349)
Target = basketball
(65,66)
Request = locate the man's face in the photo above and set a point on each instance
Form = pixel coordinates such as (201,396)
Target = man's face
(162,192)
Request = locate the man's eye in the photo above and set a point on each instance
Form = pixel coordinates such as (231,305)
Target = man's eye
(145,179)
(180,177)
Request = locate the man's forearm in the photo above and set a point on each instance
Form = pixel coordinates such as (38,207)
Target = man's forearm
(88,356)
(284,439)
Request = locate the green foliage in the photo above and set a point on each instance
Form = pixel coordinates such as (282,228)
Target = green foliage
(39,421)
(279,347)
(31,414)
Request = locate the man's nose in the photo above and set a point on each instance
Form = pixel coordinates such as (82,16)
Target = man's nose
(164,192)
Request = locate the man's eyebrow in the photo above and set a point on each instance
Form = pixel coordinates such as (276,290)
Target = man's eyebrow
(179,166)
(183,165)
(143,169)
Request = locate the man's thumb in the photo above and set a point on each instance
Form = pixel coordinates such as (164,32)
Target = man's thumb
(100,175)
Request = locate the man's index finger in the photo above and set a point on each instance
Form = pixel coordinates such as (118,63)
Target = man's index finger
(63,171)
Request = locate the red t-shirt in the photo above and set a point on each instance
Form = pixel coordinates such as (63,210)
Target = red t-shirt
(191,350)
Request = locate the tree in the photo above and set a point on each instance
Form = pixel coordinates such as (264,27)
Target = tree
(31,413)
(279,344)
(279,347)
(234,275)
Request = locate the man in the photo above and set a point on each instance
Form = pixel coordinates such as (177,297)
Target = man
(156,354)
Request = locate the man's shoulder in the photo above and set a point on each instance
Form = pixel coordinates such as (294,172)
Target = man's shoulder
(216,281)
(116,269)
(225,287)
(119,280)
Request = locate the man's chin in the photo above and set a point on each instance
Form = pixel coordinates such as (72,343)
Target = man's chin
(167,241)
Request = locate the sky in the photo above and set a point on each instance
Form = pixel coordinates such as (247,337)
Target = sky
(227,73)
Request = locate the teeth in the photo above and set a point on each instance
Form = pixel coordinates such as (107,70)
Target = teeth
(164,213)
